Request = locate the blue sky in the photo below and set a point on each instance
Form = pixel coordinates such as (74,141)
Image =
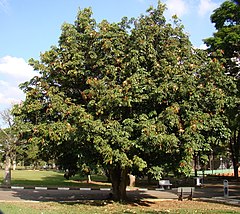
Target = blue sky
(29,27)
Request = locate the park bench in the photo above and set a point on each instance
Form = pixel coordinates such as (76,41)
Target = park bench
(185,192)
(165,184)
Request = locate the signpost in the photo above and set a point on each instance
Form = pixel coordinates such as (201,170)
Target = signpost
(225,188)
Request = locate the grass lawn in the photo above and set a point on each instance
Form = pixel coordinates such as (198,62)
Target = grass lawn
(92,207)
(52,178)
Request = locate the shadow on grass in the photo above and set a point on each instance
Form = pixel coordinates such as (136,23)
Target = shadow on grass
(135,201)
(102,203)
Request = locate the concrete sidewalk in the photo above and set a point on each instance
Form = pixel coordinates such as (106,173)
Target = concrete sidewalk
(65,195)
(211,191)
(214,194)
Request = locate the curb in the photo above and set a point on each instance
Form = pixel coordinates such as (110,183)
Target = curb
(77,188)
(57,188)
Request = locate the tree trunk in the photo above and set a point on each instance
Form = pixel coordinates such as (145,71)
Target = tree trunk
(7,174)
(234,147)
(132,180)
(89,179)
(149,178)
(237,147)
(195,165)
(107,173)
(13,160)
(119,178)
(14,164)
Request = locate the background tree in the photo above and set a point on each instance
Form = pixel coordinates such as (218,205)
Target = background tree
(129,96)
(8,139)
(225,46)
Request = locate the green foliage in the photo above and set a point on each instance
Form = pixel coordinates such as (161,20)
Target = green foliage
(128,95)
(156,172)
(10,147)
(224,46)
(227,22)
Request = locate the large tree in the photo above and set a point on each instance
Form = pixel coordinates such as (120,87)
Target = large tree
(225,46)
(129,96)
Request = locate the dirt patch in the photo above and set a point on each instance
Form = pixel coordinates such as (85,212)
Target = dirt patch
(141,207)
(175,205)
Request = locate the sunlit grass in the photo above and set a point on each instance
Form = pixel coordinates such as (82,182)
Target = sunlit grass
(51,178)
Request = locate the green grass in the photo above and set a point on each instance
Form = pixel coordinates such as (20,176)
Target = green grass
(52,178)
(92,207)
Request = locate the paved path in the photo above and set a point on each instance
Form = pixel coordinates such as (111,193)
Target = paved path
(77,195)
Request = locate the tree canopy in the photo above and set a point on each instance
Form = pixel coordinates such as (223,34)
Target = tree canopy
(226,19)
(130,96)
(225,46)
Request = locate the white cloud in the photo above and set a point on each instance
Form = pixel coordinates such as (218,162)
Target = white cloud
(9,93)
(15,68)
(206,6)
(13,71)
(203,46)
(178,7)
